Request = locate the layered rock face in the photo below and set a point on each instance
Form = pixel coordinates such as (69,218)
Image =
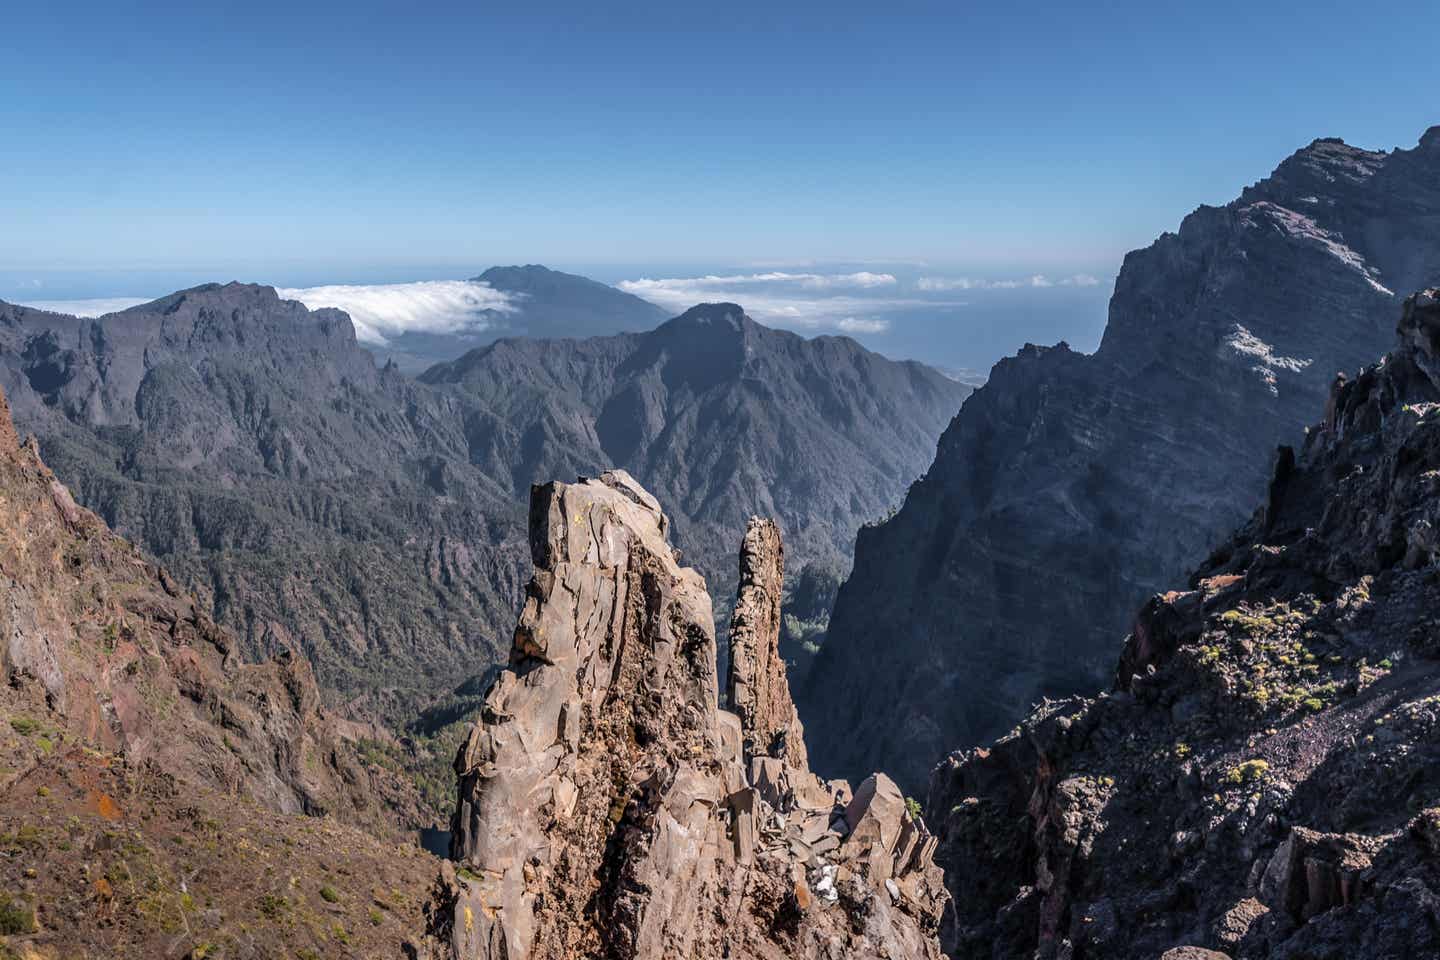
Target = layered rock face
(1262,781)
(607,808)
(1070,487)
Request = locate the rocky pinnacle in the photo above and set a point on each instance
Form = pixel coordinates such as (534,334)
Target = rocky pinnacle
(605,805)
(756,686)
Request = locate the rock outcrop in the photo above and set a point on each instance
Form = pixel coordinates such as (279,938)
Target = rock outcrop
(1261,781)
(756,687)
(1071,487)
(606,807)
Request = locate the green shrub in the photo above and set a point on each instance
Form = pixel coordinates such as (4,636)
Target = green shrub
(329,894)
(1247,772)
(272,906)
(17,917)
(24,725)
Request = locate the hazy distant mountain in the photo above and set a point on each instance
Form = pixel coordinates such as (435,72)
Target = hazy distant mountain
(378,522)
(547,303)
(1071,487)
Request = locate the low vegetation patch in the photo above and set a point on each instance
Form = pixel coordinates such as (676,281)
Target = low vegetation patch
(1247,772)
(17,917)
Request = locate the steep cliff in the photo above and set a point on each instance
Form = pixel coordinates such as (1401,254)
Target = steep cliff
(1070,487)
(607,808)
(1262,781)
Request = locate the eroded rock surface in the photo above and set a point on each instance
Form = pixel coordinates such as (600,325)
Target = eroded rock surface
(1071,487)
(1262,781)
(756,688)
(608,808)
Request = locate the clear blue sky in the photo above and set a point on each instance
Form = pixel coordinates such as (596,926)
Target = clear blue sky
(305,142)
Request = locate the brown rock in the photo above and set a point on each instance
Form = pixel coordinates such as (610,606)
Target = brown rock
(756,685)
(1311,872)
(673,845)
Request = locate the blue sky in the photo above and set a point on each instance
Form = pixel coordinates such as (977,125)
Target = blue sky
(152,145)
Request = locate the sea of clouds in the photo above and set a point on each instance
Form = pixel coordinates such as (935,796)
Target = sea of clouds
(93,307)
(384,311)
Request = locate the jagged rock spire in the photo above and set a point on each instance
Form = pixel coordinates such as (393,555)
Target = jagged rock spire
(605,805)
(755,685)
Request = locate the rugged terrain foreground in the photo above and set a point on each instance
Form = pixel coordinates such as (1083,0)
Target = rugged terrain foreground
(607,808)
(1264,781)
(158,797)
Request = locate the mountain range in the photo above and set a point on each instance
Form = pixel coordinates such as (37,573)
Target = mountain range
(1071,487)
(1241,764)
(319,502)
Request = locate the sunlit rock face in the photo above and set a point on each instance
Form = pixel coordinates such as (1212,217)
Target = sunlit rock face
(608,808)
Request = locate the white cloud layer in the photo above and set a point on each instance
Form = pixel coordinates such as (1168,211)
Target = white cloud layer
(1038,281)
(863,325)
(95,307)
(864,280)
(383,311)
(848,302)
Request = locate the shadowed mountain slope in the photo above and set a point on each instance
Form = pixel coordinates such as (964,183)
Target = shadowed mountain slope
(1070,487)
(1262,779)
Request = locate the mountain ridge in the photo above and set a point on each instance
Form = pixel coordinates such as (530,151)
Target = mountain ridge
(542,303)
(1071,486)
(1258,781)
(316,500)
